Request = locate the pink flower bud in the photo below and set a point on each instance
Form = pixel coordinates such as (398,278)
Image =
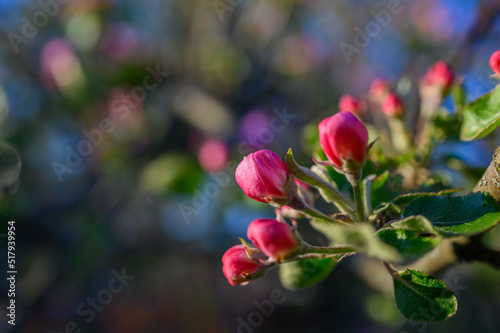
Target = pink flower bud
(379,89)
(345,141)
(440,75)
(238,267)
(263,176)
(495,62)
(350,103)
(276,239)
(392,106)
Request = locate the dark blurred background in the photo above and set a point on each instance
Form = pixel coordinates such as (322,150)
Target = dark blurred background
(121,125)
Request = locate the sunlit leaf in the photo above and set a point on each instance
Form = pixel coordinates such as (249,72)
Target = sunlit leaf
(361,236)
(305,273)
(410,244)
(481,116)
(460,215)
(423,297)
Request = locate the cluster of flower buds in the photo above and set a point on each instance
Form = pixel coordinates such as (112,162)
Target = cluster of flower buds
(263,176)
(277,240)
(389,102)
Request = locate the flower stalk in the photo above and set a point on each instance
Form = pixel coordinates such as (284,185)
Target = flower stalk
(297,204)
(355,180)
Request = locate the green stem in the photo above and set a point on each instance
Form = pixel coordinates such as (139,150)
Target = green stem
(354,179)
(320,252)
(399,135)
(313,213)
(329,250)
(297,204)
(310,256)
(367,195)
(330,193)
(428,111)
(359,202)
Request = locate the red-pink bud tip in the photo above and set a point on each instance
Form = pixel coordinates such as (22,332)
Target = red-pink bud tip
(238,267)
(276,239)
(379,88)
(344,139)
(263,176)
(350,103)
(392,106)
(495,62)
(441,75)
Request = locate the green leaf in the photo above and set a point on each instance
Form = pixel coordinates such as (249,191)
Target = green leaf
(409,243)
(377,190)
(418,224)
(310,137)
(361,237)
(447,126)
(366,192)
(322,173)
(302,173)
(423,297)
(446,210)
(459,95)
(481,116)
(384,187)
(380,180)
(413,236)
(305,273)
(385,213)
(404,199)
(478,226)
(461,215)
